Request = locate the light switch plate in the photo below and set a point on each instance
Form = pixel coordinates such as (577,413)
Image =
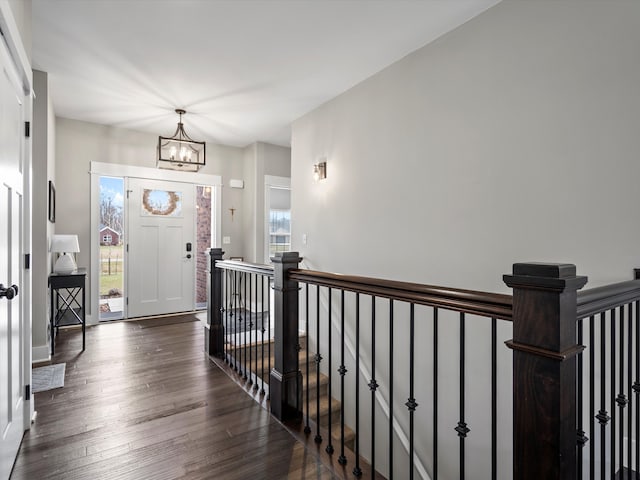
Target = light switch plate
(226,240)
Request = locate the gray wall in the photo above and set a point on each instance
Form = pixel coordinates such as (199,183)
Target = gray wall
(513,138)
(79,143)
(43,157)
(260,159)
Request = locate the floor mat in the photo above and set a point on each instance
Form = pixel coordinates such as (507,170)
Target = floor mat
(48,378)
(161,321)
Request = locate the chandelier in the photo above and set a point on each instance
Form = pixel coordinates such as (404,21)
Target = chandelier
(180,151)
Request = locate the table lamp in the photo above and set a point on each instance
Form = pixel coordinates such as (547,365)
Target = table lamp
(65,244)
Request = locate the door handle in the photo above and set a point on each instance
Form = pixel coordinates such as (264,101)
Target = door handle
(9,292)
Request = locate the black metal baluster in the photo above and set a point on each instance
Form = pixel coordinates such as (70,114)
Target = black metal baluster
(636,387)
(582,439)
(307,428)
(329,448)
(435,394)
(630,388)
(229,337)
(462,428)
(603,417)
(391,389)
(236,353)
(592,398)
(613,393)
(255,319)
(357,471)
(262,329)
(342,460)
(318,437)
(245,326)
(411,401)
(373,386)
(494,399)
(250,328)
(269,335)
(240,324)
(621,399)
(226,315)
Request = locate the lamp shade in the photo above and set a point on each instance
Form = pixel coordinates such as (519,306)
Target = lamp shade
(65,244)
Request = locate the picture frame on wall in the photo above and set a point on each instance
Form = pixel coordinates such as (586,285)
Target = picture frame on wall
(52,202)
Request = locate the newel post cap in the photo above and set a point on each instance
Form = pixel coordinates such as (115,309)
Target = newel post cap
(545,276)
(286,257)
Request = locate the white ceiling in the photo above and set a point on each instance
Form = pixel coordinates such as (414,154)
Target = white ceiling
(243,69)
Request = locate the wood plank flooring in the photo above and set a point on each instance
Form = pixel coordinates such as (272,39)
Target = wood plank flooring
(146,403)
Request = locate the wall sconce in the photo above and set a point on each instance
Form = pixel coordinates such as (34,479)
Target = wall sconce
(320,171)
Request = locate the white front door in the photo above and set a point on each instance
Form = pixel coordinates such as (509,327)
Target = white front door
(161,258)
(11,205)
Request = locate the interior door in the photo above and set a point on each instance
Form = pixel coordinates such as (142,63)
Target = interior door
(11,306)
(161,258)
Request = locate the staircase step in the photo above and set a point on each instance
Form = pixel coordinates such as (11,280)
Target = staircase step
(256,367)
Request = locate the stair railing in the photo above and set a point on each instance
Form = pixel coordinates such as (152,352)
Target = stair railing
(557,396)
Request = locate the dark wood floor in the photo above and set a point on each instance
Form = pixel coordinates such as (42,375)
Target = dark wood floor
(146,403)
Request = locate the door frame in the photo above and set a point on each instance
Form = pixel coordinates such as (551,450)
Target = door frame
(99,169)
(11,35)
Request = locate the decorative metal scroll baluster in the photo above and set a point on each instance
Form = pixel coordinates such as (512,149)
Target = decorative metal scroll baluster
(269,334)
(225,344)
(592,397)
(636,387)
(603,417)
(236,335)
(494,399)
(342,460)
(411,401)
(244,327)
(318,437)
(621,399)
(262,329)
(255,319)
(613,393)
(435,394)
(462,428)
(629,385)
(391,389)
(249,314)
(307,428)
(582,439)
(357,471)
(373,385)
(329,448)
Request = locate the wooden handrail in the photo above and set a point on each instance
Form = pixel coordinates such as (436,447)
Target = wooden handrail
(491,305)
(600,299)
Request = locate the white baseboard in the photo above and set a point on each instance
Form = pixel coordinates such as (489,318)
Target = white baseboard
(40,354)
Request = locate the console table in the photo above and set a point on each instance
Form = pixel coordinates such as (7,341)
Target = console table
(67,292)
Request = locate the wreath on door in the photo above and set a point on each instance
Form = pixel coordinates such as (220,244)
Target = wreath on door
(166,208)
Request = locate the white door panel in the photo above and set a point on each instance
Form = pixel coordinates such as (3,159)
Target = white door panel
(11,224)
(161,271)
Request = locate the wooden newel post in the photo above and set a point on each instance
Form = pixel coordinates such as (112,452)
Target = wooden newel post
(215,306)
(544,370)
(286,379)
